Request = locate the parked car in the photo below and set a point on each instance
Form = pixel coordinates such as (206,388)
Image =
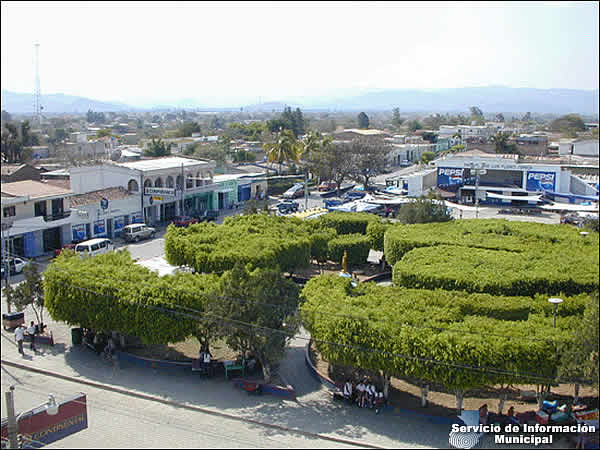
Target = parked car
(64,247)
(572,219)
(137,231)
(15,265)
(287,206)
(327,186)
(295,191)
(184,221)
(94,247)
(209,216)
(353,195)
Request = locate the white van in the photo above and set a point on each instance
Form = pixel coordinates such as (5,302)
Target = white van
(94,247)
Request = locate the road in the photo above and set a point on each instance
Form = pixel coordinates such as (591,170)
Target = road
(120,421)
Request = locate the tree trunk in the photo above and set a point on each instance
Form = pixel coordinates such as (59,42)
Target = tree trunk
(424,393)
(387,378)
(459,401)
(503,397)
(576,397)
(266,368)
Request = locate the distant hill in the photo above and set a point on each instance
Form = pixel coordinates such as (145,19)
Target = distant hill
(18,103)
(489,99)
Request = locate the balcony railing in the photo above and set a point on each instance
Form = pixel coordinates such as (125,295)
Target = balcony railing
(57,216)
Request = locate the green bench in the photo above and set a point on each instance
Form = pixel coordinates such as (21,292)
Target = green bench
(233,365)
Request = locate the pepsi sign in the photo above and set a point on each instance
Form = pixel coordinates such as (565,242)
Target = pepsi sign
(540,181)
(448,176)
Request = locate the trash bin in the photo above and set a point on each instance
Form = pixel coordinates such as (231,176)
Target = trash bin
(76,336)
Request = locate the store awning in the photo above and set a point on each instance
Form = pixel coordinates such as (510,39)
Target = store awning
(525,198)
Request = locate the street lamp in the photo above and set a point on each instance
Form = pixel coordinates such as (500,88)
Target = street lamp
(555,301)
(51,408)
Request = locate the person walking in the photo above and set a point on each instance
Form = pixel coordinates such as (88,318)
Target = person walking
(19,337)
(31,332)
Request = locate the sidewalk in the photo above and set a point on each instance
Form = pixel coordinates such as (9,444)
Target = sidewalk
(313,412)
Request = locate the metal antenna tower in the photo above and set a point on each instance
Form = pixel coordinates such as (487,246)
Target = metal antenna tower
(37,93)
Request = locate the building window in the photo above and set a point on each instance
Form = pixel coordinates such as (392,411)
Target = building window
(40,209)
(170,183)
(158,182)
(9,211)
(132,186)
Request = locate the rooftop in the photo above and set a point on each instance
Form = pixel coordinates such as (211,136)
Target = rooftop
(364,132)
(169,162)
(113,193)
(32,189)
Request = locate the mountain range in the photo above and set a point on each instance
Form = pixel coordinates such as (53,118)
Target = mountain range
(489,99)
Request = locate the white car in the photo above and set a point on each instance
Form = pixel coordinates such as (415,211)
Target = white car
(16,265)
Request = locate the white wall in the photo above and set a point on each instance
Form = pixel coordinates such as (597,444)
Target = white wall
(93,178)
(585,148)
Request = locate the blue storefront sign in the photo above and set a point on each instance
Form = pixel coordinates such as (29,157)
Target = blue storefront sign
(449,176)
(99,227)
(540,181)
(137,218)
(79,233)
(119,223)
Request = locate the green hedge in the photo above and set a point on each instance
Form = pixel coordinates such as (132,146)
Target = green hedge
(376,232)
(496,272)
(347,223)
(110,293)
(263,241)
(356,245)
(512,334)
(494,256)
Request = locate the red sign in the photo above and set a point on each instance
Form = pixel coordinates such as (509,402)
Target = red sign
(38,428)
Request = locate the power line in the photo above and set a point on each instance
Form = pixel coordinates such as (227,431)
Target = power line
(288,334)
(344,316)
(353,347)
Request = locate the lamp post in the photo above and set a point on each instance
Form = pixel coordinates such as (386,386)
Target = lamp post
(50,406)
(555,301)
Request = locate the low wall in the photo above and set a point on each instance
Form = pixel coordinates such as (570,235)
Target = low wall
(328,382)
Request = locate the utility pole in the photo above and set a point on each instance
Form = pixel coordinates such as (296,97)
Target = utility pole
(37,93)
(12,420)
(6,256)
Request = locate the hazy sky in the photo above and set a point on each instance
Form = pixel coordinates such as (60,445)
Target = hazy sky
(146,52)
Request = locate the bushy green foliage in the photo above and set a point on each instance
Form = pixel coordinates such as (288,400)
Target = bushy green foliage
(110,293)
(347,223)
(357,246)
(494,256)
(449,327)
(260,240)
(376,232)
(495,271)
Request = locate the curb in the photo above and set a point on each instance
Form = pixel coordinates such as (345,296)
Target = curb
(185,406)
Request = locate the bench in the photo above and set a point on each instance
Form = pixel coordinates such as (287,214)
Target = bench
(232,365)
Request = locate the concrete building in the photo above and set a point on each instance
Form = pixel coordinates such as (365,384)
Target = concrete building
(406,154)
(166,187)
(103,213)
(504,175)
(37,215)
(579,147)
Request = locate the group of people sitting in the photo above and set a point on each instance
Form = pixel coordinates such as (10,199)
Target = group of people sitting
(364,394)
(99,342)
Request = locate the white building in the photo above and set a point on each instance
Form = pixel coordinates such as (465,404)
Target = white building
(166,187)
(37,217)
(406,154)
(580,147)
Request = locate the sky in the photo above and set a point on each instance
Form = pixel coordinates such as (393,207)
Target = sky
(229,53)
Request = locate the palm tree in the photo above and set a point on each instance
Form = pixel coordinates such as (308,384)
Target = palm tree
(284,149)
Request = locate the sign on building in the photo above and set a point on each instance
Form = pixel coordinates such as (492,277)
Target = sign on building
(448,176)
(78,231)
(540,181)
(159,191)
(38,428)
(99,227)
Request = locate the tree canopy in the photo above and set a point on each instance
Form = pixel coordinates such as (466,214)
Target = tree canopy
(363,120)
